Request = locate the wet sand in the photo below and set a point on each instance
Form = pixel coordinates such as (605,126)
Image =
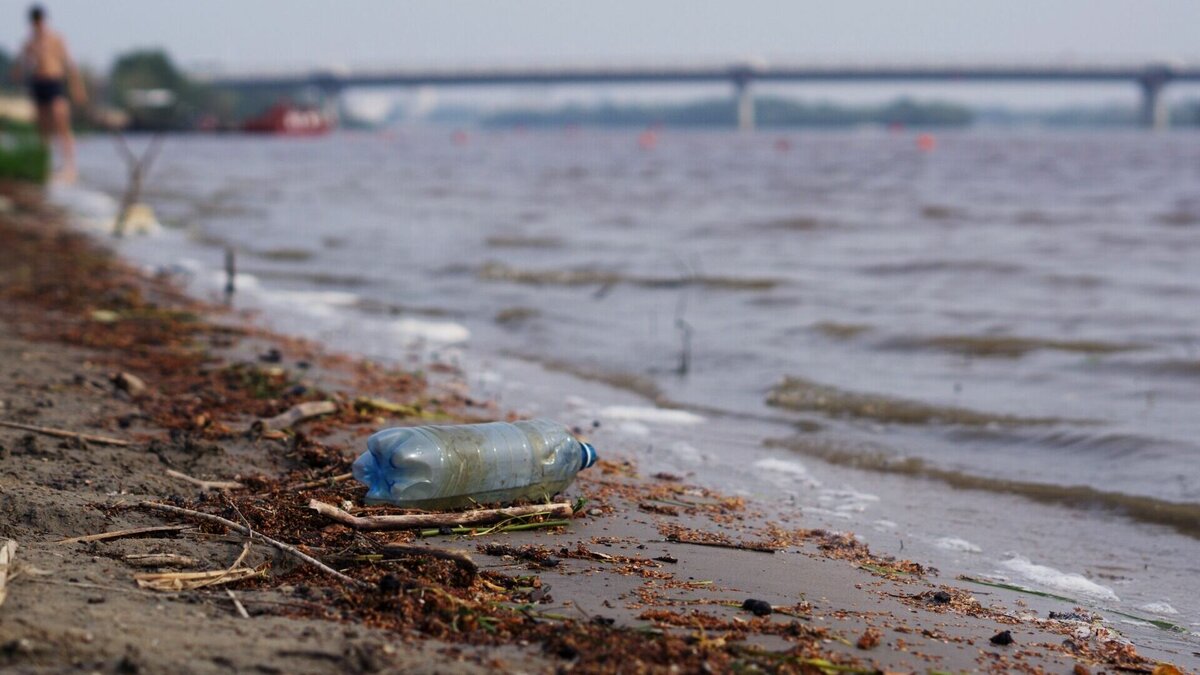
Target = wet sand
(651,574)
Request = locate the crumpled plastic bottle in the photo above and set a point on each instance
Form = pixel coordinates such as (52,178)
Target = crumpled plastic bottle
(444,467)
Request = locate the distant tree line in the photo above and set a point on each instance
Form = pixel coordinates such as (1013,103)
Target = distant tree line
(769,112)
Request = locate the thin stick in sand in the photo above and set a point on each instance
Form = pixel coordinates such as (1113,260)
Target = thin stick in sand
(120,534)
(206,484)
(736,545)
(294,415)
(420,520)
(241,609)
(63,433)
(8,553)
(160,560)
(286,548)
(319,482)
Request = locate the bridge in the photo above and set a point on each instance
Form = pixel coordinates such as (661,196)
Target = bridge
(1150,78)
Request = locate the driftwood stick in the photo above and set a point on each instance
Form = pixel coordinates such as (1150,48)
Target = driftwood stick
(121,534)
(8,553)
(63,433)
(294,415)
(419,520)
(736,545)
(206,484)
(286,548)
(461,559)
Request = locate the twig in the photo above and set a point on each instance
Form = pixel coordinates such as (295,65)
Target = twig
(294,415)
(498,528)
(461,559)
(241,609)
(159,560)
(286,548)
(420,520)
(138,167)
(206,484)
(8,553)
(320,482)
(63,433)
(120,534)
(737,545)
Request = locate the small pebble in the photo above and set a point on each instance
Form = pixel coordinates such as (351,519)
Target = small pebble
(757,607)
(1002,638)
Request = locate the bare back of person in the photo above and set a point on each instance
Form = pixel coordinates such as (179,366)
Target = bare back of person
(50,74)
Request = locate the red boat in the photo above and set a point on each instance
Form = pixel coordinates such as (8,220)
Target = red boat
(290,120)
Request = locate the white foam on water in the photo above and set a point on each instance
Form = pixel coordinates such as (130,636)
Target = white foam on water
(651,415)
(883,525)
(323,304)
(445,332)
(956,544)
(96,210)
(847,500)
(1067,582)
(685,451)
(785,471)
(1159,608)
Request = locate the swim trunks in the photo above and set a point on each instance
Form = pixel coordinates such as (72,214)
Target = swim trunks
(45,90)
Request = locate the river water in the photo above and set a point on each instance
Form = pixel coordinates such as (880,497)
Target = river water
(982,354)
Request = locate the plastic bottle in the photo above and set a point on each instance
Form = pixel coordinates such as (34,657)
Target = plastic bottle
(441,467)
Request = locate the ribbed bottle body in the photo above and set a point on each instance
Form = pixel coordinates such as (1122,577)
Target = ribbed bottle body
(437,467)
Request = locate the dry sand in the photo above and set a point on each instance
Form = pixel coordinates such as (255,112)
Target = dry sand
(609,593)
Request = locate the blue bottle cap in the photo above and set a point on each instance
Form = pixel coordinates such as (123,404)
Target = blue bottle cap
(589,455)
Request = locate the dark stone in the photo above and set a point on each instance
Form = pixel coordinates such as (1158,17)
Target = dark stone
(757,607)
(603,620)
(272,355)
(941,597)
(1002,638)
(389,584)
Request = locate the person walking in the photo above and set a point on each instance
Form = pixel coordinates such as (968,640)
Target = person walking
(46,66)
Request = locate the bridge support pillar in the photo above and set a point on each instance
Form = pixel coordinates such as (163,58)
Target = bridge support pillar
(1155,114)
(744,97)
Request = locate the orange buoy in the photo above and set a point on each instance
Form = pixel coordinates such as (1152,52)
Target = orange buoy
(648,139)
(926,142)
(783,144)
(460,137)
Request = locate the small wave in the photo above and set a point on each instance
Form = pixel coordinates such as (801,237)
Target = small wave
(1007,346)
(95,210)
(651,415)
(796,393)
(419,330)
(840,331)
(956,544)
(1066,582)
(494,271)
(783,470)
(637,384)
(1159,608)
(315,278)
(927,266)
(793,224)
(1092,444)
(518,241)
(1184,517)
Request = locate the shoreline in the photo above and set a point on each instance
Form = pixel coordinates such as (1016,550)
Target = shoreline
(204,376)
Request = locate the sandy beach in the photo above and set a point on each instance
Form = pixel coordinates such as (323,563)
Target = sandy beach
(150,391)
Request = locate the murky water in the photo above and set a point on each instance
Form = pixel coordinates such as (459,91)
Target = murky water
(988,351)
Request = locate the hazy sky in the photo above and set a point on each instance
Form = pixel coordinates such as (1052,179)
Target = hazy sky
(259,33)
